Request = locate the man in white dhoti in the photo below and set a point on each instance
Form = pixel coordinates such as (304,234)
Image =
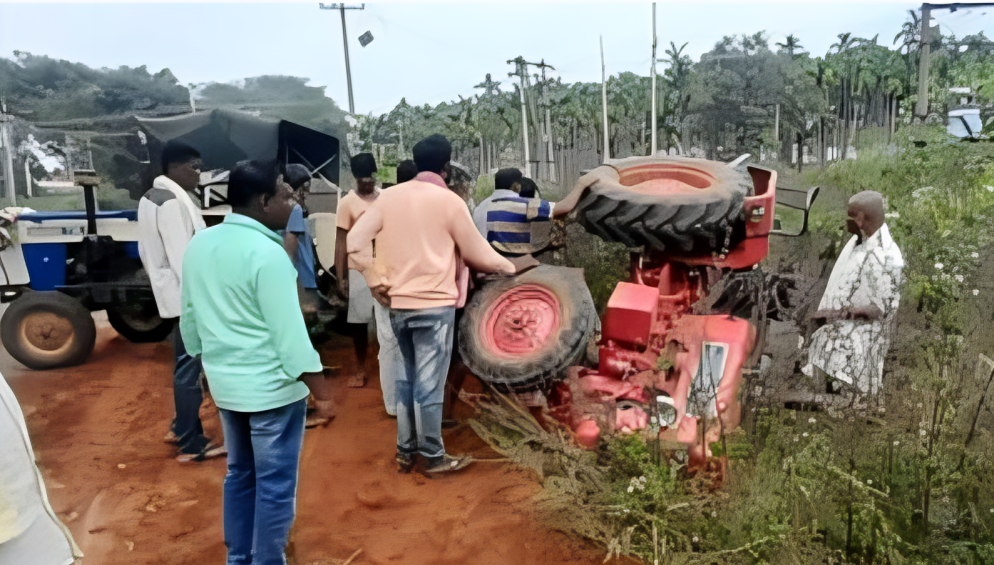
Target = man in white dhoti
(860,301)
(30,532)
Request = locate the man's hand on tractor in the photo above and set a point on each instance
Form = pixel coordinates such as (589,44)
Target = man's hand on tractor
(523,263)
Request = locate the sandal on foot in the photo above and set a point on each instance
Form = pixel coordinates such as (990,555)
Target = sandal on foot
(405,462)
(449,463)
(171,437)
(203,455)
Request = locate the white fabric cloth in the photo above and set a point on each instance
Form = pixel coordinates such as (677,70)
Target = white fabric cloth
(360,299)
(30,532)
(165,227)
(867,274)
(391,359)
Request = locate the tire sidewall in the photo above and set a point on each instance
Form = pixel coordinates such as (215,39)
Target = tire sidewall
(56,303)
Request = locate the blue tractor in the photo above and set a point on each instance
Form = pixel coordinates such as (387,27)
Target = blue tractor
(56,267)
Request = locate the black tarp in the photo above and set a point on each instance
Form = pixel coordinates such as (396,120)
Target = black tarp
(224,137)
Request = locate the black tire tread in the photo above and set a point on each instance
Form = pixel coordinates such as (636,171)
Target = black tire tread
(134,335)
(663,223)
(553,360)
(51,301)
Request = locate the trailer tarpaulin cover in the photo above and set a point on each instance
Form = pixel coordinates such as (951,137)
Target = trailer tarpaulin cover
(224,137)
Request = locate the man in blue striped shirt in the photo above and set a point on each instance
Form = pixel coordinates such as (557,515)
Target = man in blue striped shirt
(517,222)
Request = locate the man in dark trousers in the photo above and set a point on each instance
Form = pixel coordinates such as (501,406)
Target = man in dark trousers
(168,217)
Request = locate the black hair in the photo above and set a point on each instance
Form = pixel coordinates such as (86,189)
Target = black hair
(406,171)
(250,179)
(432,153)
(363,165)
(296,175)
(528,188)
(505,178)
(177,152)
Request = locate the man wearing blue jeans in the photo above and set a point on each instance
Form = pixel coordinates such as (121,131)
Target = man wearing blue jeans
(241,315)
(421,230)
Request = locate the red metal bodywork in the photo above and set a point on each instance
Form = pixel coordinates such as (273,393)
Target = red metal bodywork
(651,342)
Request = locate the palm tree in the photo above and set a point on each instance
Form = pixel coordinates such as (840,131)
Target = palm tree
(790,45)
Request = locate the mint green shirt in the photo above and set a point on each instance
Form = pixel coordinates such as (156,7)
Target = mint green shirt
(241,314)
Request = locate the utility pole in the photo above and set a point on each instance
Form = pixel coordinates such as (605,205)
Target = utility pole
(607,144)
(8,155)
(345,41)
(549,156)
(520,72)
(653,74)
(921,109)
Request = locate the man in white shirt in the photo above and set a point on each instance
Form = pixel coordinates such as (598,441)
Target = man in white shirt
(168,218)
(30,531)
(860,301)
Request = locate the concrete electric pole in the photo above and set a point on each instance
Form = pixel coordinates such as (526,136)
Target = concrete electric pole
(653,74)
(607,143)
(921,109)
(345,41)
(521,70)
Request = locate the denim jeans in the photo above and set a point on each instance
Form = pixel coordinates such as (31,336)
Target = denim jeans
(425,340)
(391,360)
(260,488)
(187,395)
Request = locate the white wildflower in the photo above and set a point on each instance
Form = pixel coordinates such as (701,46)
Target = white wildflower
(805,434)
(975,255)
(896,443)
(959,278)
(714,514)
(989,188)
(939,266)
(812,421)
(869,481)
(626,511)
(976,292)
(631,488)
(796,439)
(695,540)
(921,433)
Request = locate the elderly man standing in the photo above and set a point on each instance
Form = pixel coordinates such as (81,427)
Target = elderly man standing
(421,230)
(860,301)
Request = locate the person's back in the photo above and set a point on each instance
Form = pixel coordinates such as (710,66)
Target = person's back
(416,248)
(234,330)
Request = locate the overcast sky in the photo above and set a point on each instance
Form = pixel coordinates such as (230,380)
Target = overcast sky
(426,52)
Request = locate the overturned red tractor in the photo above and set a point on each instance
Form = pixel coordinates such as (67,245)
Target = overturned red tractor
(667,362)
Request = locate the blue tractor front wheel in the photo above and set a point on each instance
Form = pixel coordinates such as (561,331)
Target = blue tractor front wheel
(48,330)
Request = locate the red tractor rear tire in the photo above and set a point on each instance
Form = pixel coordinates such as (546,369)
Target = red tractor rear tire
(666,203)
(523,332)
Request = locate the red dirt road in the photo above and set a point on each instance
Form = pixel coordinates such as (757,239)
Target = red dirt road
(98,429)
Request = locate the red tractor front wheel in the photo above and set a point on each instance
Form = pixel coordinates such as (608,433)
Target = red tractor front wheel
(522,332)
